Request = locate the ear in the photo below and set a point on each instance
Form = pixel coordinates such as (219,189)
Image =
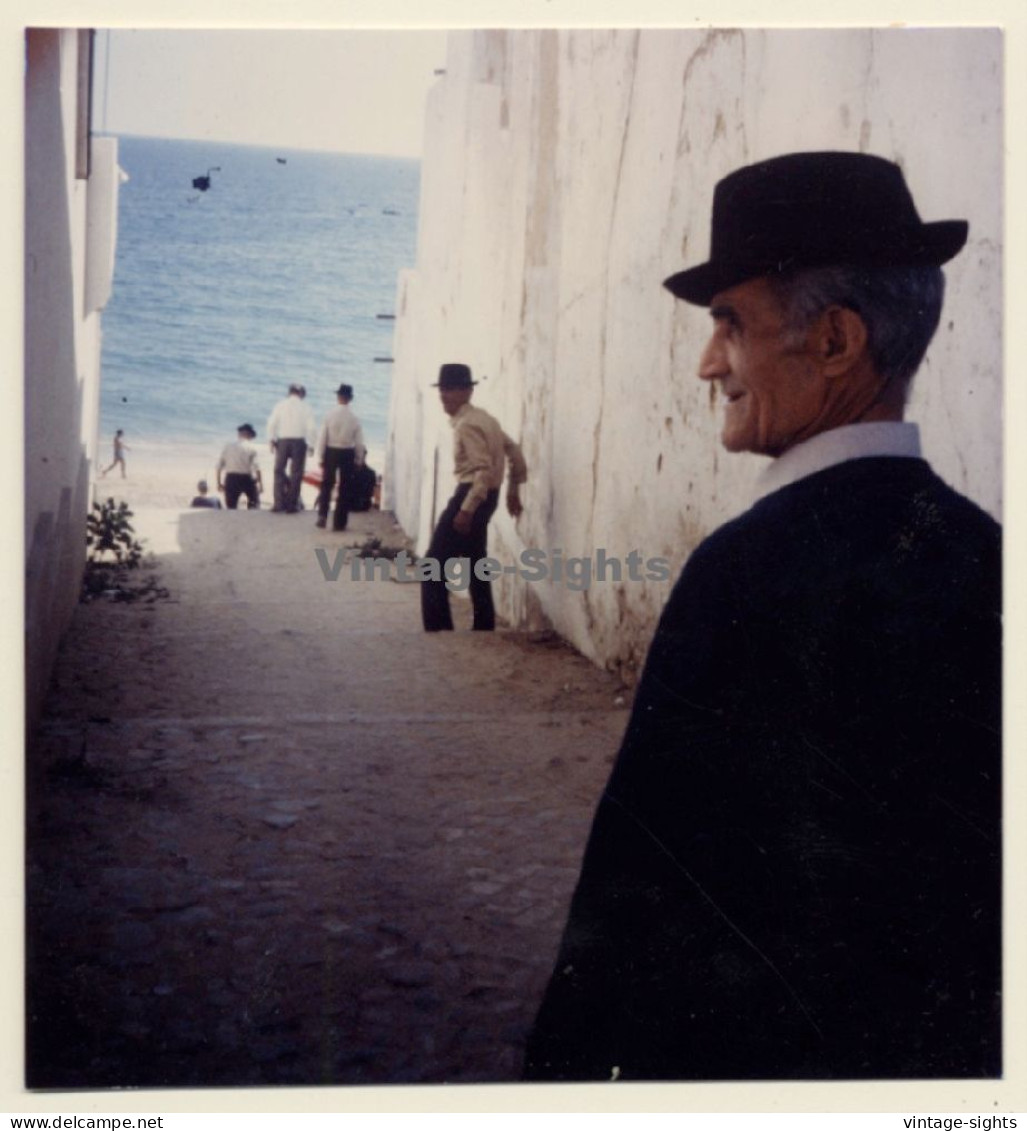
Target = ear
(840,339)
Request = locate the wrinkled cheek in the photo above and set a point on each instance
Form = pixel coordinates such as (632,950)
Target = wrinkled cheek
(737,432)
(783,425)
(766,424)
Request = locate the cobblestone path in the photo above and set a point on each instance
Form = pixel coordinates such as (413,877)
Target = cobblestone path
(278,835)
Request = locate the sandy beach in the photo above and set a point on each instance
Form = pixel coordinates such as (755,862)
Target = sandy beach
(165,475)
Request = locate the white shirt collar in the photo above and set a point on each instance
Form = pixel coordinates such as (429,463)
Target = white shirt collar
(851,441)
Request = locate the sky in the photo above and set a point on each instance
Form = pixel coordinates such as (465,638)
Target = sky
(353,91)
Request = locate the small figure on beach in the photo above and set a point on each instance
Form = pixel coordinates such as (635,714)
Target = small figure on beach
(241,476)
(203,499)
(481,451)
(291,432)
(340,451)
(120,447)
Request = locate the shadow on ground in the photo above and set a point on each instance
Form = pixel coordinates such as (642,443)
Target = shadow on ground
(278,835)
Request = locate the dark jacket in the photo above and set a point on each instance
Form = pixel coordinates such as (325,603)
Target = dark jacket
(794,871)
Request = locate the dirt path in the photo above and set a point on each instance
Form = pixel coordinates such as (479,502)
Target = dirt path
(278,835)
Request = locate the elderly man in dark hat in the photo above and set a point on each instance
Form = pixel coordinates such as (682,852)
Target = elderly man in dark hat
(481,452)
(794,870)
(340,450)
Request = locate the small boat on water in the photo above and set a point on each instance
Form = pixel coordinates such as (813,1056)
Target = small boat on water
(203,183)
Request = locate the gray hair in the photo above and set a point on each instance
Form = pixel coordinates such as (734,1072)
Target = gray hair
(900,306)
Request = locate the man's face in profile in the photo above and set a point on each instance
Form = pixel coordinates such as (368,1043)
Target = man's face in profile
(774,390)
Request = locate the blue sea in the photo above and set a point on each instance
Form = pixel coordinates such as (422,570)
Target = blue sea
(277,273)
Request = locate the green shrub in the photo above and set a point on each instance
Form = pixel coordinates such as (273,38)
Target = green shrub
(109,531)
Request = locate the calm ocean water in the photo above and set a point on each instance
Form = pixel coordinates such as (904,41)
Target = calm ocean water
(277,273)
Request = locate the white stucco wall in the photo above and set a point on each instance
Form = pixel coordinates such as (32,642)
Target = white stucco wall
(566,173)
(70,226)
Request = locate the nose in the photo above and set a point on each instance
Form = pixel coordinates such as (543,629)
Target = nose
(713,361)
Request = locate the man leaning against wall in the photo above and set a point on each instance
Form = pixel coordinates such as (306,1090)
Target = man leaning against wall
(482,454)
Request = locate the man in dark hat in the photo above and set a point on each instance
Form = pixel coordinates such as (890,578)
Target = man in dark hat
(481,451)
(237,470)
(794,870)
(340,450)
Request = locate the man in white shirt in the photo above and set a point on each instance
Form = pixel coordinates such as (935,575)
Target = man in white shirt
(481,452)
(290,431)
(238,472)
(340,450)
(794,871)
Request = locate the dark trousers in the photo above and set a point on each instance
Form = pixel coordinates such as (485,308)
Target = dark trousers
(293,452)
(448,543)
(339,462)
(237,484)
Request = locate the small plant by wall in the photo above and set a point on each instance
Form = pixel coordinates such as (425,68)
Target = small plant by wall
(111,535)
(113,550)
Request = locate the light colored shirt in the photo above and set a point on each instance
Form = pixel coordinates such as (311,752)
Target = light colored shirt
(481,450)
(239,458)
(341,429)
(838,445)
(292,419)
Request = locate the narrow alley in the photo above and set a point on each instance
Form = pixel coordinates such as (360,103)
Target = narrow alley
(279,835)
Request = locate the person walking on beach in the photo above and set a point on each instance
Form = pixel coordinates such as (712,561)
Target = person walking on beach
(794,871)
(238,472)
(291,433)
(481,450)
(340,450)
(120,447)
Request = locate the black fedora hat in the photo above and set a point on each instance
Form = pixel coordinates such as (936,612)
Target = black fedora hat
(814,210)
(247,428)
(344,391)
(454,375)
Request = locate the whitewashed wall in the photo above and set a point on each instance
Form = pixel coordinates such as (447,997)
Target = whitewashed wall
(566,173)
(70,228)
